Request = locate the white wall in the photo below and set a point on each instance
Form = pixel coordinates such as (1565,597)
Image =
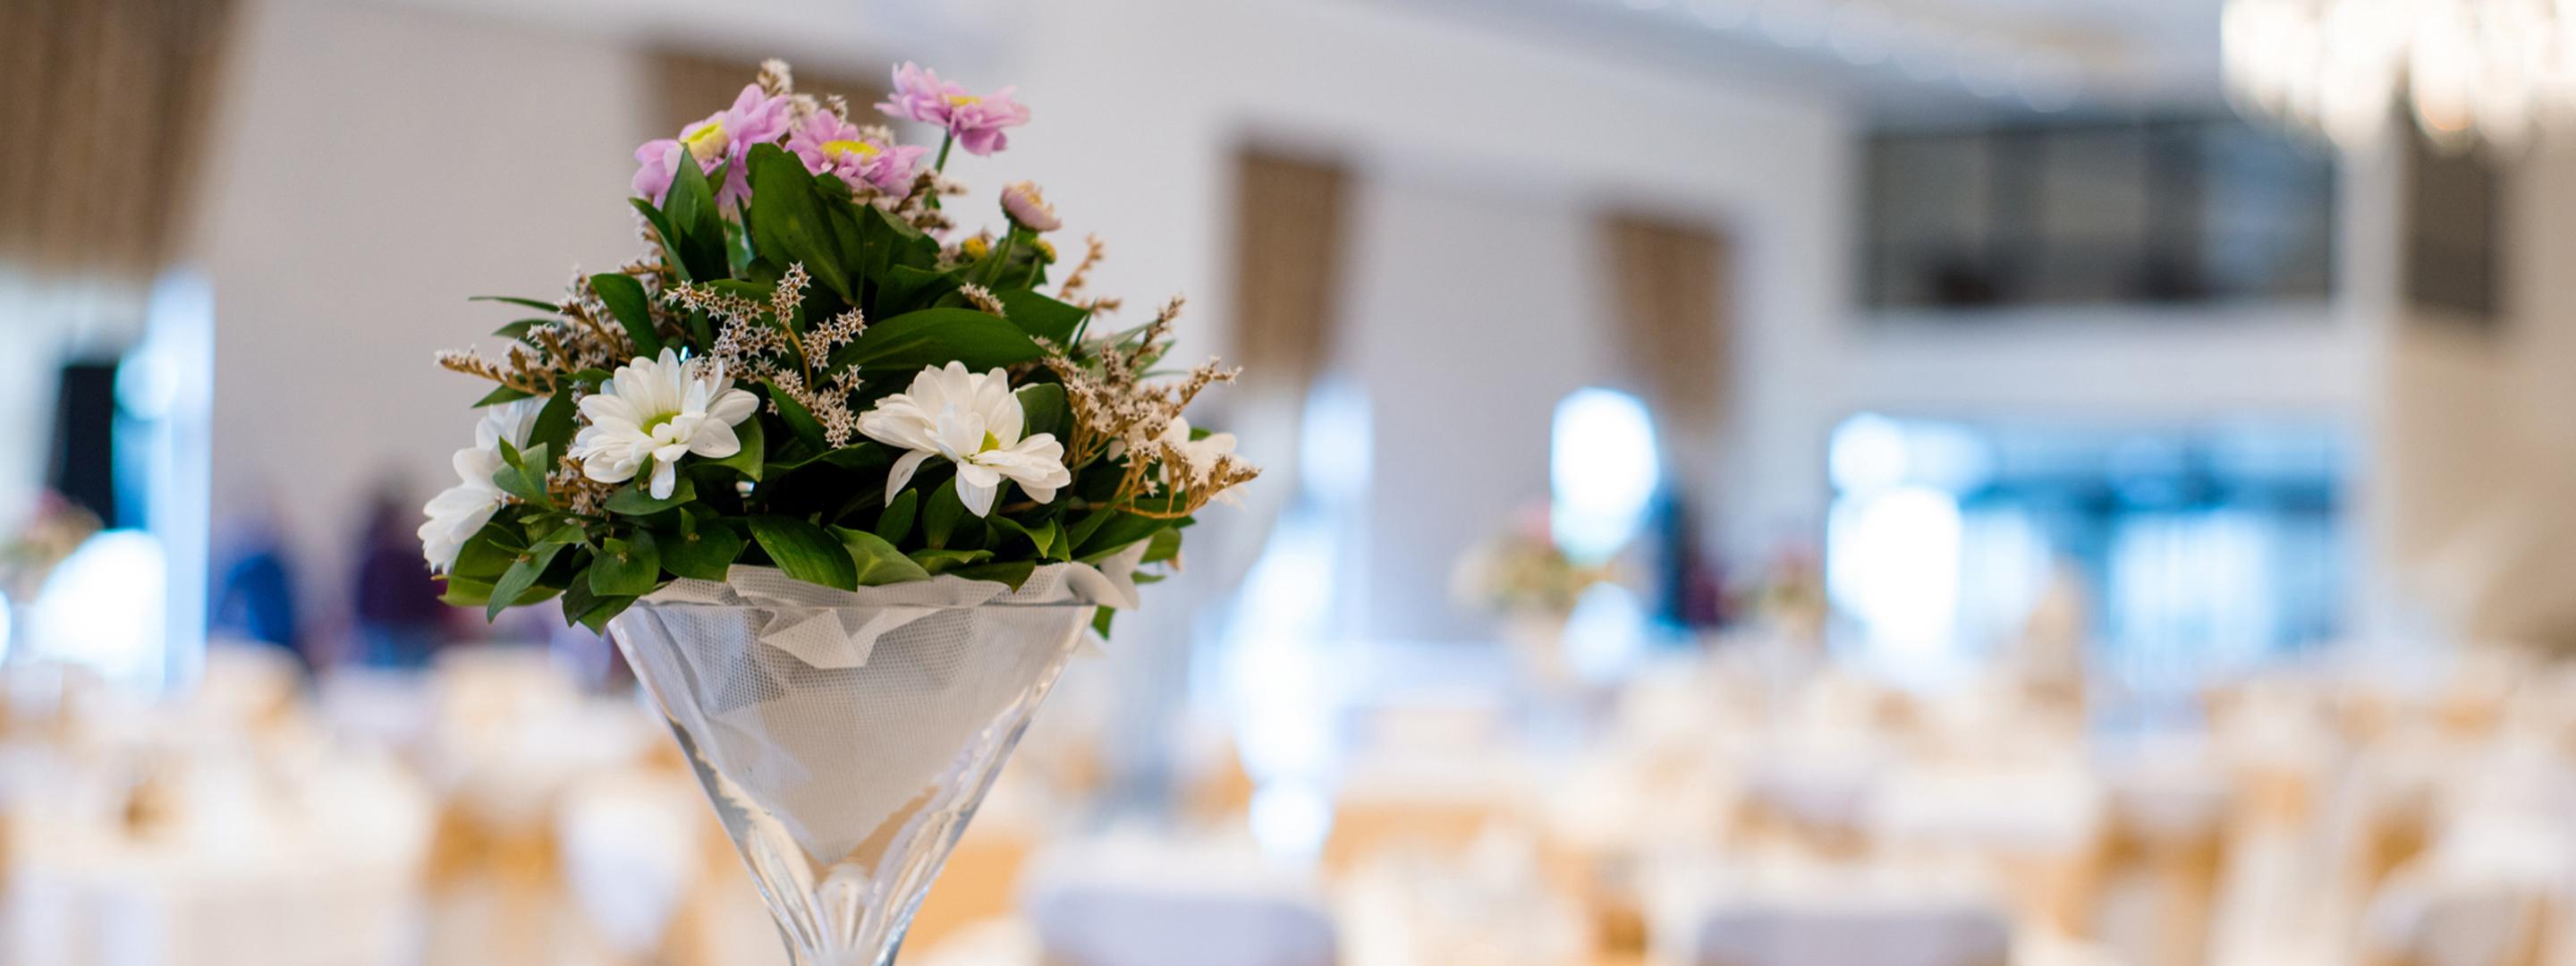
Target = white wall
(1142,104)
(1463,375)
(372,167)
(2481,447)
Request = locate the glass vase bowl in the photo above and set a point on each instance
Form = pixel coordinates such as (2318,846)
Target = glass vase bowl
(845,738)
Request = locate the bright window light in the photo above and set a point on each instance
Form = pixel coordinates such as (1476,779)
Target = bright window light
(1892,561)
(1290,819)
(102,608)
(1867,454)
(1333,451)
(1603,468)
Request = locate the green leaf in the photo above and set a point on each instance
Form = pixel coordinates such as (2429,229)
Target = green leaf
(1041,315)
(547,307)
(939,515)
(668,239)
(705,548)
(520,328)
(607,609)
(518,479)
(554,427)
(486,554)
(932,337)
(879,562)
(1164,545)
(895,523)
(566,535)
(577,599)
(1048,539)
(856,456)
(1014,574)
(787,219)
(465,592)
(1100,619)
(805,551)
(899,258)
(626,300)
(1081,531)
(1043,410)
(636,499)
(747,460)
(900,288)
(691,208)
(942,561)
(799,421)
(501,394)
(1116,534)
(630,567)
(521,576)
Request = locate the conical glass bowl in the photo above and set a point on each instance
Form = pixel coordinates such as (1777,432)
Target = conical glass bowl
(846,745)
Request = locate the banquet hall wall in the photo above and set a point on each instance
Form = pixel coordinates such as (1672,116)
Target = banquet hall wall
(1397,97)
(382,259)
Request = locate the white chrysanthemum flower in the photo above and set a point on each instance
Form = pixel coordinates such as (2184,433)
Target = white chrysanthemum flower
(658,411)
(457,514)
(975,421)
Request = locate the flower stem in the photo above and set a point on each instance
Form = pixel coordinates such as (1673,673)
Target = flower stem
(1001,257)
(941,166)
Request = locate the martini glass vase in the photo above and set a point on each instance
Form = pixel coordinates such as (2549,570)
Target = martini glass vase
(845,738)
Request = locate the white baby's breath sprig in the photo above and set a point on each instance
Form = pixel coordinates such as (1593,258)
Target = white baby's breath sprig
(981,298)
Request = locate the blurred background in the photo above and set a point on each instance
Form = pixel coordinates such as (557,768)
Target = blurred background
(1751,482)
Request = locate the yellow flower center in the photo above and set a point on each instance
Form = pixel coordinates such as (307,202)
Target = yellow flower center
(706,141)
(658,422)
(991,443)
(961,100)
(847,150)
(975,247)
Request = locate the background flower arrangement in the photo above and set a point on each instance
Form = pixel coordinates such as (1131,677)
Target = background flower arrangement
(802,372)
(1521,572)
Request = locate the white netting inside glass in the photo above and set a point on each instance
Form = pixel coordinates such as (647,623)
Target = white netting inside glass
(834,711)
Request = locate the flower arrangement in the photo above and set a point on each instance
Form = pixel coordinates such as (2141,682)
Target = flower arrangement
(1522,573)
(805,372)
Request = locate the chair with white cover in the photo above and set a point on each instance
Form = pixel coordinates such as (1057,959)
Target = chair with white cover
(2036,830)
(1124,901)
(632,854)
(1847,934)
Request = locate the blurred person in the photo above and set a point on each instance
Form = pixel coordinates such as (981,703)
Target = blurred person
(255,597)
(400,619)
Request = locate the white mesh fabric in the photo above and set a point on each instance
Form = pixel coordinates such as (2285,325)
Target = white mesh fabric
(832,710)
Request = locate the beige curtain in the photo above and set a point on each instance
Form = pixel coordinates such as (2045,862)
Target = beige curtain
(1670,282)
(105,105)
(1289,215)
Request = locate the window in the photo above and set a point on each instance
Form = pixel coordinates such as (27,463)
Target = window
(2167,211)
(2193,549)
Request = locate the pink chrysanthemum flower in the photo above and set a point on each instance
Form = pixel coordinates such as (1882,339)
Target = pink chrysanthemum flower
(726,135)
(1026,206)
(828,143)
(976,122)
